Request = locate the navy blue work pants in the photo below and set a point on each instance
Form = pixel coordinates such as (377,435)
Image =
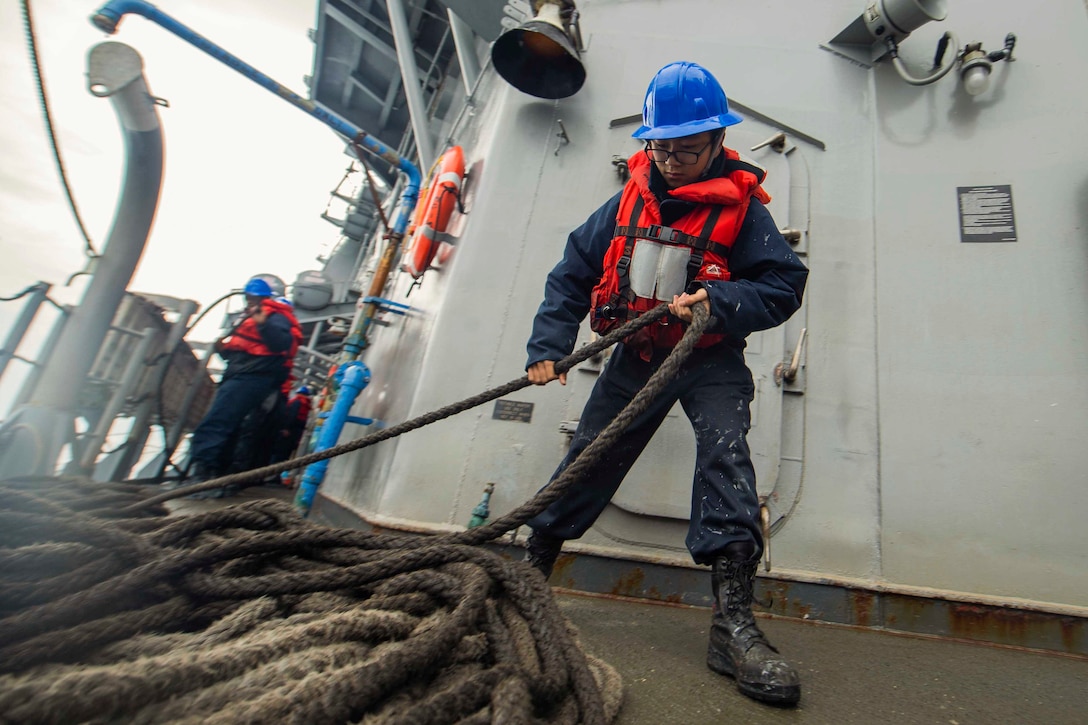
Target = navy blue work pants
(257,434)
(715,389)
(234,399)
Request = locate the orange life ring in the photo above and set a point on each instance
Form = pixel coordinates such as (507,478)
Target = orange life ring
(433,215)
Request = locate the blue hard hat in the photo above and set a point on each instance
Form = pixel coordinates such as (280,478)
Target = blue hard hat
(304,390)
(684,99)
(257,287)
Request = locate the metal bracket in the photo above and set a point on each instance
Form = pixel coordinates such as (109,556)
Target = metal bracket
(792,236)
(619,163)
(568,428)
(564,139)
(386,305)
(788,372)
(776,142)
(765,523)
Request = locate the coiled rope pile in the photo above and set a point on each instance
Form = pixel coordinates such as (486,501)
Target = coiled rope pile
(111,610)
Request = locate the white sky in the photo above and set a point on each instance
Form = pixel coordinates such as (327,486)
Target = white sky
(246,174)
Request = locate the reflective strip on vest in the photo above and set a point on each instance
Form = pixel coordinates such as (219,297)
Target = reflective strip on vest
(658,271)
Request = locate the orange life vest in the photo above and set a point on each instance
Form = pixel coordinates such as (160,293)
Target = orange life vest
(247,338)
(695,248)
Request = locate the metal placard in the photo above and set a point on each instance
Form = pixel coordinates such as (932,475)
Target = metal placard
(513,410)
(986,214)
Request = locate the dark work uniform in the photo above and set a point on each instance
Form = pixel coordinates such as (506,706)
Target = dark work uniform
(714,387)
(247,381)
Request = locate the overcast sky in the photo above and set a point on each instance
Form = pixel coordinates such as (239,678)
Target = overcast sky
(246,174)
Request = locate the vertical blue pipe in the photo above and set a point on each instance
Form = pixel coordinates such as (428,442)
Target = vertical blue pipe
(356,376)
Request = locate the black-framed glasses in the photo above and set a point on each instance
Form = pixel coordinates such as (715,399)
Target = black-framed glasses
(684,158)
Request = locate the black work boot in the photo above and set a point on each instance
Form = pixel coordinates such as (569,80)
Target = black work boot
(542,550)
(737,646)
(200,473)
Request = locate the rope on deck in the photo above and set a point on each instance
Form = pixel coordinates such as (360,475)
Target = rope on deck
(112,610)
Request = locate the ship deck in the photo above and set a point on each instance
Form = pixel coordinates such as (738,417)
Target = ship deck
(848,674)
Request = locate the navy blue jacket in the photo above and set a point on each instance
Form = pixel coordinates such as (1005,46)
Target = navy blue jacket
(766,285)
(276,336)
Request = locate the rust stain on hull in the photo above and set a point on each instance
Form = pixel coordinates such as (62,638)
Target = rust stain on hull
(862,604)
(630,584)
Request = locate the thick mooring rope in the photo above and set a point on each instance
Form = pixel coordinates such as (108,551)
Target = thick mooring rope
(580,355)
(112,611)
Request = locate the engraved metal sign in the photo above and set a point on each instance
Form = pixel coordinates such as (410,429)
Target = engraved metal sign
(513,410)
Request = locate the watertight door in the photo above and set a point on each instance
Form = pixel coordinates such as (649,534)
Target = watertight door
(660,483)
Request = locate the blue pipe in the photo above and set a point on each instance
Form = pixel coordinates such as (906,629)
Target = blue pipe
(356,376)
(107,19)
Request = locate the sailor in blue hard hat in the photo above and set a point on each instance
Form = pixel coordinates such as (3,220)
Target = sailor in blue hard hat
(690,228)
(682,99)
(257,287)
(684,118)
(258,353)
(257,291)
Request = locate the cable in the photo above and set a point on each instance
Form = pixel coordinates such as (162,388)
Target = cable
(24,293)
(37,69)
(938,72)
(208,309)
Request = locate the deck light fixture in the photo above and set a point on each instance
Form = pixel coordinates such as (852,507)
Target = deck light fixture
(975,70)
(976,64)
(875,35)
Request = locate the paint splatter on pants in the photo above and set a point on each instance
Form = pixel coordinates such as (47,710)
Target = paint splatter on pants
(715,389)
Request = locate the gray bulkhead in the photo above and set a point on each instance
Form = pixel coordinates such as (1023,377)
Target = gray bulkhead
(932,441)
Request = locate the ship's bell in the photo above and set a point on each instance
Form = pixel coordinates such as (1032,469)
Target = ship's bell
(539,57)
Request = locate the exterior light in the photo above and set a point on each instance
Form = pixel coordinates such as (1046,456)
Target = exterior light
(875,36)
(976,64)
(975,69)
